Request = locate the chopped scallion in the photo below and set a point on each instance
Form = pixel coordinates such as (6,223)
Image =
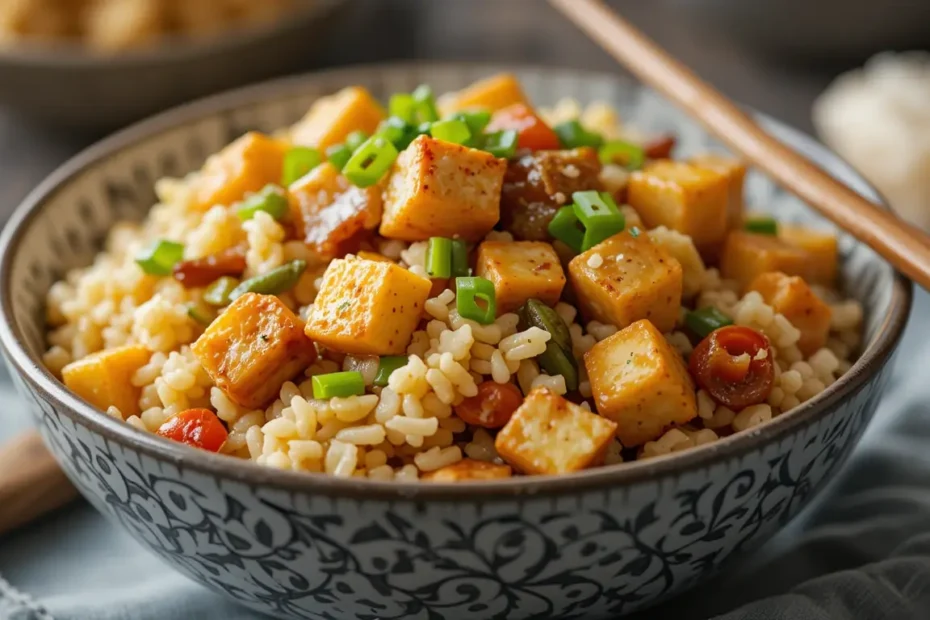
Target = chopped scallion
(160,258)
(761,225)
(501,143)
(403,107)
(706,320)
(469,292)
(386,367)
(218,292)
(572,135)
(270,199)
(566,227)
(454,131)
(370,162)
(338,385)
(356,139)
(599,215)
(630,155)
(338,155)
(459,259)
(397,131)
(425,110)
(297,162)
(439,257)
(476,120)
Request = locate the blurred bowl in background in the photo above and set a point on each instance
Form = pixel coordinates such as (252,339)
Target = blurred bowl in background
(71,88)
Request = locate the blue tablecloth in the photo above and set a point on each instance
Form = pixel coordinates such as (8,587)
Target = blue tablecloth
(861,551)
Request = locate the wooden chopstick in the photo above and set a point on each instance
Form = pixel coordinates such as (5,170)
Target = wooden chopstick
(902,245)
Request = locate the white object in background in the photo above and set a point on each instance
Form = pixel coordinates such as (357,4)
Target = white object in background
(878,119)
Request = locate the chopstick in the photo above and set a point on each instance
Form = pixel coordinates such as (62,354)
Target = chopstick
(902,245)
(31,482)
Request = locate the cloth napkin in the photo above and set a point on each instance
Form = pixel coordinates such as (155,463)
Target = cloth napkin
(861,551)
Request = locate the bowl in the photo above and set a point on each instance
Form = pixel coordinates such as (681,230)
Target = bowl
(595,544)
(68,87)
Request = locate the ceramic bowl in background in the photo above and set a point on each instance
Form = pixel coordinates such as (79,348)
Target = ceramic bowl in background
(596,544)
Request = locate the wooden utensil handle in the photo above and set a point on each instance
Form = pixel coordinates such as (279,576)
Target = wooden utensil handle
(31,483)
(903,245)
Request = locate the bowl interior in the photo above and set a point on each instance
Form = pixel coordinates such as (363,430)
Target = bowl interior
(63,224)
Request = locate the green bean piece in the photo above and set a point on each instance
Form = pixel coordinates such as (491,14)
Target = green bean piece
(538,314)
(218,292)
(556,361)
(274,282)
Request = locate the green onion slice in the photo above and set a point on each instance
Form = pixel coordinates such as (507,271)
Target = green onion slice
(386,367)
(469,292)
(338,385)
(459,259)
(218,292)
(706,320)
(370,162)
(476,120)
(454,131)
(425,110)
(632,156)
(439,257)
(299,161)
(338,155)
(501,143)
(270,199)
(397,131)
(761,225)
(566,227)
(356,139)
(572,135)
(160,258)
(403,107)
(599,215)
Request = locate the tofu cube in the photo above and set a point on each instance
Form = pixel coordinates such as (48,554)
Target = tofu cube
(253,347)
(792,297)
(330,214)
(640,381)
(440,189)
(821,248)
(103,378)
(331,119)
(521,270)
(631,217)
(549,435)
(627,278)
(683,197)
(682,249)
(735,172)
(247,165)
(367,307)
(747,255)
(468,469)
(493,93)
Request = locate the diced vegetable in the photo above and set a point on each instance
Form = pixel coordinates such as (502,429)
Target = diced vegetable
(640,381)
(550,435)
(398,132)
(572,135)
(502,144)
(490,94)
(453,130)
(245,166)
(298,161)
(270,199)
(761,225)
(459,259)
(402,106)
(566,227)
(201,313)
(475,299)
(793,298)
(735,365)
(492,406)
(104,378)
(378,322)
(468,469)
(532,132)
(520,270)
(356,139)
(198,428)
(331,119)
(370,162)
(646,283)
(705,320)
(747,255)
(424,104)
(274,282)
(218,293)
(338,385)
(632,156)
(252,348)
(438,189)
(439,257)
(598,214)
(557,358)
(386,367)
(339,155)
(160,258)
(476,120)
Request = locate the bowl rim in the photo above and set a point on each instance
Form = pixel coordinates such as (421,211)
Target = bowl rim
(606,478)
(172,48)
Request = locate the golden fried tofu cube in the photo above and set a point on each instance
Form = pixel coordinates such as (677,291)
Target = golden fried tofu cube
(684,197)
(469,469)
(792,297)
(331,119)
(440,189)
(253,347)
(735,172)
(521,270)
(247,165)
(103,378)
(550,435)
(330,213)
(627,278)
(682,249)
(821,248)
(640,381)
(367,307)
(493,93)
(366,255)
(747,255)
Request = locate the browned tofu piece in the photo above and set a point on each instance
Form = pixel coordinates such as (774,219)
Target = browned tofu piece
(538,183)
(468,469)
(247,165)
(440,189)
(331,119)
(821,248)
(792,297)
(747,255)
(735,172)
(253,347)
(640,381)
(492,93)
(330,214)
(549,435)
(684,197)
(367,307)
(627,278)
(104,378)
(521,270)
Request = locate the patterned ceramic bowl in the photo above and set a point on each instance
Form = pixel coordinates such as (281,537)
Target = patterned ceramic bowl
(595,544)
